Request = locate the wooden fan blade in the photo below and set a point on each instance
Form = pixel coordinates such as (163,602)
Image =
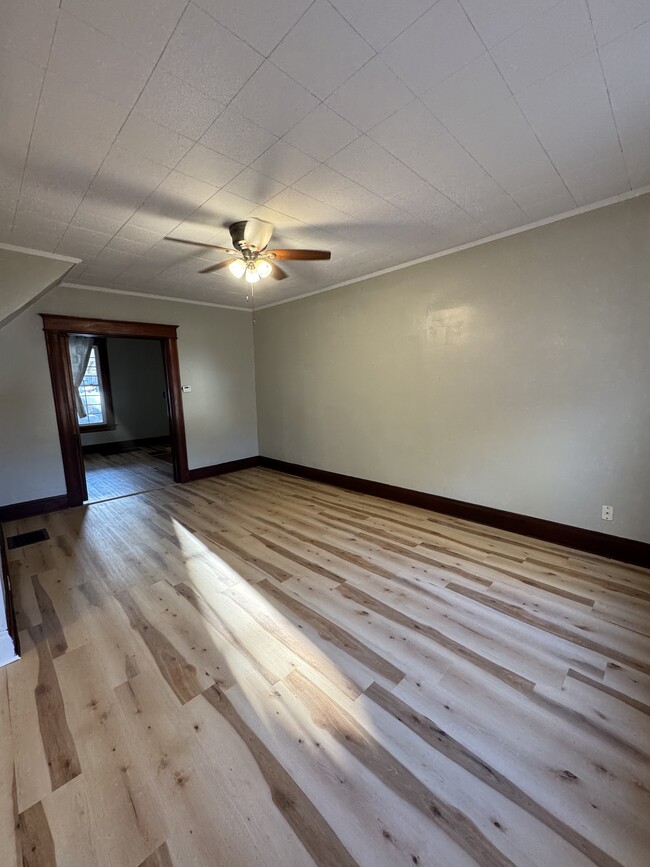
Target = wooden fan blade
(217,267)
(276,272)
(199,244)
(300,254)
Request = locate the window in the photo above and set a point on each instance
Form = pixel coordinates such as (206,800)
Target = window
(95,391)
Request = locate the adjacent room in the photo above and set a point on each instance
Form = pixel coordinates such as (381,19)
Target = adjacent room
(325,433)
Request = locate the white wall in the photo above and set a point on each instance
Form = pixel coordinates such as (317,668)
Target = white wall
(216,358)
(515,374)
(138,387)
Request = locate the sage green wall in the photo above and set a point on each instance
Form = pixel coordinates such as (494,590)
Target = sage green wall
(515,374)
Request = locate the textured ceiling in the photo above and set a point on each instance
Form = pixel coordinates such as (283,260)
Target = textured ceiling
(381,130)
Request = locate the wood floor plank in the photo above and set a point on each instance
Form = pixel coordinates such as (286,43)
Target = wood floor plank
(260,669)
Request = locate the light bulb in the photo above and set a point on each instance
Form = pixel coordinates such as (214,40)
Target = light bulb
(251,274)
(263,267)
(237,267)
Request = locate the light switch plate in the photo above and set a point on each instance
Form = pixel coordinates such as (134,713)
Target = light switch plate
(186,388)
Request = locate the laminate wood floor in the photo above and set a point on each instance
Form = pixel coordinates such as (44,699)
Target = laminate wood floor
(125,473)
(259,670)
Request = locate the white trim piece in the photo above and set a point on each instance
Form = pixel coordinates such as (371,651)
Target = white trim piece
(41,253)
(621,197)
(157,297)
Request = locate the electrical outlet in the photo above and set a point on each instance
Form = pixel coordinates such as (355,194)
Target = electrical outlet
(607,513)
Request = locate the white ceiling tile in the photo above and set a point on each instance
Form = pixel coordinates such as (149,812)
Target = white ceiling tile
(367,163)
(19,95)
(283,223)
(173,103)
(236,137)
(262,25)
(593,182)
(303,207)
(255,186)
(472,90)
(371,95)
(502,142)
(99,62)
(124,245)
(151,140)
(553,40)
(55,199)
(284,163)
(437,44)
(322,50)
(142,236)
(273,100)
(330,187)
(76,234)
(447,166)
(638,164)
(380,23)
(39,225)
(625,63)
(89,217)
(221,210)
(570,113)
(500,18)
(177,197)
(207,165)
(545,199)
(322,133)
(27,28)
(36,240)
(145,26)
(409,128)
(208,56)
(68,108)
(614,18)
(123,183)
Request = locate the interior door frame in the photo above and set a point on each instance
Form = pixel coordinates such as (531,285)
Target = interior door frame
(57,331)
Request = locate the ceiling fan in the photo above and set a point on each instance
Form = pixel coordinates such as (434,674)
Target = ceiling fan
(250,239)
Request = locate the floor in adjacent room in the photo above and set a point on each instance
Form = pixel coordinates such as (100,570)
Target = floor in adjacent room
(260,670)
(130,472)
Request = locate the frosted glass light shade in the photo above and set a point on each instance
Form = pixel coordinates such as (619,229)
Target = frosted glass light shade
(263,267)
(251,274)
(237,267)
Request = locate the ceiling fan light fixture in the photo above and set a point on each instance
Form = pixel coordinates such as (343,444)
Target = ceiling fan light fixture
(263,268)
(251,273)
(237,267)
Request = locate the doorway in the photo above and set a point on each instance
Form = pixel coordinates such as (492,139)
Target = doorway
(100,459)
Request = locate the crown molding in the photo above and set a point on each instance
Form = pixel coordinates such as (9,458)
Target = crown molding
(42,253)
(67,285)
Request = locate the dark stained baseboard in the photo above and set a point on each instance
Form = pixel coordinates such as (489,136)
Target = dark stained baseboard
(220,469)
(114,448)
(602,544)
(10,614)
(15,511)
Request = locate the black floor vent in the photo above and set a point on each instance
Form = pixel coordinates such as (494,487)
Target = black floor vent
(23,539)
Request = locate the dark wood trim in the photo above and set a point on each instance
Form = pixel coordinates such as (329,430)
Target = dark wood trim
(220,469)
(57,329)
(66,416)
(107,327)
(175,410)
(602,544)
(10,614)
(16,511)
(114,448)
